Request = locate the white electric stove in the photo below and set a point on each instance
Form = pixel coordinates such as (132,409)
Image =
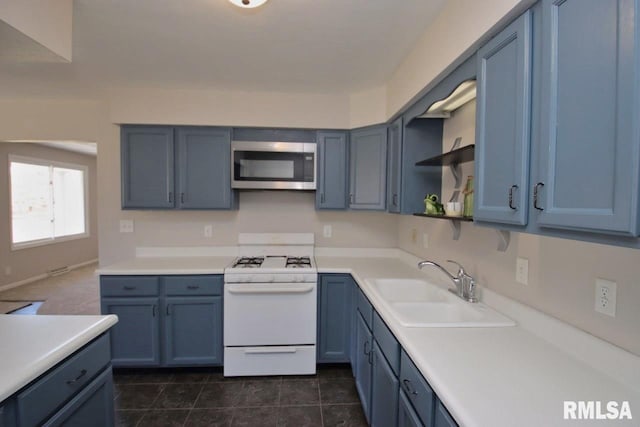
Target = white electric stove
(270,306)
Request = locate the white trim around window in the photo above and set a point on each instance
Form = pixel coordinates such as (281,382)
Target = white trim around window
(54,164)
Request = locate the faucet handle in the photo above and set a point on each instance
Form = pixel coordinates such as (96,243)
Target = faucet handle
(461,271)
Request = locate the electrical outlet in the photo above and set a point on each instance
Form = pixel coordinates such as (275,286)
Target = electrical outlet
(606,297)
(425,240)
(208,231)
(414,236)
(126,226)
(327,231)
(522,271)
(7,270)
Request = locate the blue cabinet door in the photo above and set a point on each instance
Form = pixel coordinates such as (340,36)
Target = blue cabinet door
(502,126)
(384,392)
(394,166)
(587,177)
(368,168)
(192,331)
(364,342)
(334,318)
(135,338)
(92,406)
(443,418)
(147,154)
(407,417)
(333,163)
(204,168)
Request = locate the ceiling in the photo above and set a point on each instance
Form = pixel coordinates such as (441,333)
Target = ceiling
(287,45)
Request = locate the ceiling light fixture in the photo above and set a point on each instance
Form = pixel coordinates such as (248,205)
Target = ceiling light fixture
(248,4)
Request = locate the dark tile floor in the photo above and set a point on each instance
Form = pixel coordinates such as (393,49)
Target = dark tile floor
(203,397)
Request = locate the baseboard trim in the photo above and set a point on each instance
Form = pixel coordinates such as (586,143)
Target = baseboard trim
(44,276)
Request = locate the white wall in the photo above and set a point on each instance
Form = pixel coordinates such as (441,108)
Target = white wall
(48,23)
(368,107)
(562,273)
(460,24)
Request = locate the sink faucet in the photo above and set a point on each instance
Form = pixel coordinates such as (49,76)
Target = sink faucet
(465,284)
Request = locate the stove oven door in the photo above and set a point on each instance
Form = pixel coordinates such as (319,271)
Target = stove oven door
(269,314)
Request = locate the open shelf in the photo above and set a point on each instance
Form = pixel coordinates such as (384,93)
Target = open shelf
(455,157)
(453,218)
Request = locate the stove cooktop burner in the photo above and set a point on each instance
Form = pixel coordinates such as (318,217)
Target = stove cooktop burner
(298,262)
(249,262)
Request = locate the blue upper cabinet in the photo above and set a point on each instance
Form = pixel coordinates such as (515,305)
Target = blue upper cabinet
(394,166)
(368,168)
(147,167)
(588,157)
(203,171)
(191,172)
(502,125)
(333,162)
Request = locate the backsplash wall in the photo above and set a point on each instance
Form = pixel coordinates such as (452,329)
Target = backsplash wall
(562,272)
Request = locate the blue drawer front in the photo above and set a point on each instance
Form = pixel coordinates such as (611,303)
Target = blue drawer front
(193,285)
(387,342)
(365,308)
(124,286)
(417,390)
(48,393)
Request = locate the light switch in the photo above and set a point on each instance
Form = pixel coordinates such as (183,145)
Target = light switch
(327,231)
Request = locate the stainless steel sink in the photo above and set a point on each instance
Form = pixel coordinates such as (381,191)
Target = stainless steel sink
(417,303)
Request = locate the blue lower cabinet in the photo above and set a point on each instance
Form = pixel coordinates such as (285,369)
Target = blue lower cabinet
(92,406)
(364,341)
(177,321)
(334,318)
(135,338)
(443,418)
(384,391)
(192,331)
(407,417)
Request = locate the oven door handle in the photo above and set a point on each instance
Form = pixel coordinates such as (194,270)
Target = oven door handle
(270,350)
(252,289)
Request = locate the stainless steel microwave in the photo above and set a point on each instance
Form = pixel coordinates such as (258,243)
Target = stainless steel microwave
(273,165)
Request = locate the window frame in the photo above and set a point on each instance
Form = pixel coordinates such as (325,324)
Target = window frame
(50,163)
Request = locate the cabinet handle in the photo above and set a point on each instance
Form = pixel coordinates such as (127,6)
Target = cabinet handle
(535,196)
(395,200)
(351,198)
(76,379)
(181,197)
(129,288)
(193,287)
(153,311)
(371,356)
(513,187)
(321,197)
(409,387)
(170,197)
(167,310)
(366,344)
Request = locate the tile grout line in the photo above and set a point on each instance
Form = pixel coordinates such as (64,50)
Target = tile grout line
(193,404)
(320,402)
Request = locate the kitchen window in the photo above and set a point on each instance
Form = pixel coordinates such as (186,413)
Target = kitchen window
(48,201)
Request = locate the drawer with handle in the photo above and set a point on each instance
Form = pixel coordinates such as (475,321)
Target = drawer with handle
(123,286)
(42,398)
(416,389)
(193,285)
(364,307)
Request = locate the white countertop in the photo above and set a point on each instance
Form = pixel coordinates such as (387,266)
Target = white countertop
(31,345)
(168,266)
(485,376)
(492,376)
